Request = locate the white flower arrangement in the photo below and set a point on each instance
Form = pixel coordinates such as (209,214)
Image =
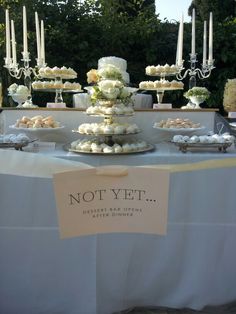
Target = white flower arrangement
(229,100)
(108,72)
(197,92)
(15,89)
(110,90)
(109,85)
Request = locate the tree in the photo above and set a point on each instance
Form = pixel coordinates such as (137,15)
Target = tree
(133,7)
(78,34)
(221,9)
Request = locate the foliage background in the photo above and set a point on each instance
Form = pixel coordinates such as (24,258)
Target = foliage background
(78,33)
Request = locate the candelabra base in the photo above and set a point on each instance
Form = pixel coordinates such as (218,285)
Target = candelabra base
(190,105)
(27,104)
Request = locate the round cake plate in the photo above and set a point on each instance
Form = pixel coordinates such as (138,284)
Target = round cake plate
(108,134)
(179,130)
(109,115)
(53,90)
(13,127)
(149,148)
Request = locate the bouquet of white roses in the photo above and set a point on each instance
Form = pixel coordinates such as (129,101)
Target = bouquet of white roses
(108,72)
(15,89)
(110,90)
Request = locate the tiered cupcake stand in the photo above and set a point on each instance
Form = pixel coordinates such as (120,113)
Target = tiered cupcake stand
(113,138)
(160,91)
(58,83)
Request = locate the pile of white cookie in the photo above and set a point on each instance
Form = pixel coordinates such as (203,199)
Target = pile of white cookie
(14,138)
(177,123)
(103,128)
(165,84)
(36,122)
(120,109)
(54,72)
(161,69)
(205,139)
(56,85)
(94,146)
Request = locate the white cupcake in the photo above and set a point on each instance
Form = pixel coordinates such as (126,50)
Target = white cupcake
(126,148)
(108,150)
(118,149)
(86,147)
(119,129)
(108,129)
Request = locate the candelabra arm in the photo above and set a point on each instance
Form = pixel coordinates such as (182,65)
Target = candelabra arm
(180,77)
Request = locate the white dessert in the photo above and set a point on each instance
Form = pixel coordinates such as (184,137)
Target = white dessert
(177,123)
(205,139)
(37,122)
(14,138)
(120,109)
(95,146)
(161,84)
(119,63)
(54,72)
(102,128)
(161,69)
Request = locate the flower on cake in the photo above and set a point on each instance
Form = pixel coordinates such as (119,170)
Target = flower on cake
(197,92)
(107,72)
(110,90)
(108,85)
(92,76)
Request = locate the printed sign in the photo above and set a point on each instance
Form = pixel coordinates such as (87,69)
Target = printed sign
(112,199)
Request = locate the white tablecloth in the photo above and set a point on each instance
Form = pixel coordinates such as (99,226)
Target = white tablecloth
(192,266)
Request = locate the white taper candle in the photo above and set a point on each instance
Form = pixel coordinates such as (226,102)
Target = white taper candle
(13,43)
(210,57)
(38,36)
(42,42)
(8,37)
(181,38)
(204,44)
(177,48)
(25,41)
(193,51)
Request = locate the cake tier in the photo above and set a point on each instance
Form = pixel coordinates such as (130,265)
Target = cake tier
(117,62)
(108,129)
(113,110)
(118,147)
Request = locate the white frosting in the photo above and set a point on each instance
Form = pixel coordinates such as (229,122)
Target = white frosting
(120,63)
(117,62)
(96,146)
(212,139)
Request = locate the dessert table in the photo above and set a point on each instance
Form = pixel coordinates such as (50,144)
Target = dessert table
(193,265)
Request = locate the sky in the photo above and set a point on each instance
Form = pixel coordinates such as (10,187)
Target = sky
(173,9)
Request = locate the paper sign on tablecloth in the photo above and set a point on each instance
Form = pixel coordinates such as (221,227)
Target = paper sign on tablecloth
(112,199)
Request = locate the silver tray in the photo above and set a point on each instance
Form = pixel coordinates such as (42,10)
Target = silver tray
(184,147)
(162,89)
(150,147)
(17,146)
(110,134)
(53,90)
(109,115)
